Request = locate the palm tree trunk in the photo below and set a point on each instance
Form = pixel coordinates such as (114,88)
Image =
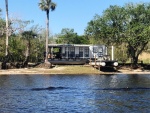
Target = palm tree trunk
(47,35)
(6,2)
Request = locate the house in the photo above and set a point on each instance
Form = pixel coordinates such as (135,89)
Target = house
(68,51)
(80,54)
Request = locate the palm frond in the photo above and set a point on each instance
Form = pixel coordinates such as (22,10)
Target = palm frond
(46,5)
(53,6)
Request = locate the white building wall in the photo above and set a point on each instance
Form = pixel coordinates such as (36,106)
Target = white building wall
(93,55)
(63,50)
(91,52)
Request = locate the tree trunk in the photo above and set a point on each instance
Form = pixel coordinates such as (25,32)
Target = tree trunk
(25,63)
(47,36)
(134,61)
(6,2)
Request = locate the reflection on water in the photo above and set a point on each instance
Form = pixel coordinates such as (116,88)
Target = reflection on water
(75,93)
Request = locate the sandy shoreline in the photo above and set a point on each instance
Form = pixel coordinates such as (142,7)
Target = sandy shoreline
(87,70)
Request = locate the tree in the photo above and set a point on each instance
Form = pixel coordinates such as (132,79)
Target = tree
(2,48)
(17,48)
(46,5)
(2,27)
(137,35)
(68,36)
(6,3)
(127,25)
(27,36)
(94,29)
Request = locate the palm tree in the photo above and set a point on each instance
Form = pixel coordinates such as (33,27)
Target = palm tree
(27,36)
(47,5)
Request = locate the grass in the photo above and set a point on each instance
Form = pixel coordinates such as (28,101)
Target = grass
(145,57)
(74,70)
(66,69)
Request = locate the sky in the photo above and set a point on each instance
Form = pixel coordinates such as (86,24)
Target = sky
(72,14)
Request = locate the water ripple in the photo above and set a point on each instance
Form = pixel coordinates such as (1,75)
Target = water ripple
(48,88)
(125,89)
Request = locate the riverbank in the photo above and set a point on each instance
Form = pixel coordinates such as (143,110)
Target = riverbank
(71,69)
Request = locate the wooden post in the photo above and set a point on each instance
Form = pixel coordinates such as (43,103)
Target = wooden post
(112,56)
(90,60)
(95,60)
(99,66)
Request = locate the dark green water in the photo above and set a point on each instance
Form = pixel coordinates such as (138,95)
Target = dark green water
(75,94)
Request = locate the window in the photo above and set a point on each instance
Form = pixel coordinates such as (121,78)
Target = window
(80,51)
(86,52)
(71,52)
(100,51)
(95,49)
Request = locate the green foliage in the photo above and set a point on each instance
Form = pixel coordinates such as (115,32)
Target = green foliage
(2,27)
(148,47)
(37,49)
(2,47)
(128,24)
(146,61)
(121,53)
(16,48)
(19,40)
(18,45)
(28,35)
(68,36)
(2,38)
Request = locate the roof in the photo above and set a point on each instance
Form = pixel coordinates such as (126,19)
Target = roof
(66,45)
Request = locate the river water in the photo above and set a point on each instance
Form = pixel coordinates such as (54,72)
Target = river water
(75,93)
